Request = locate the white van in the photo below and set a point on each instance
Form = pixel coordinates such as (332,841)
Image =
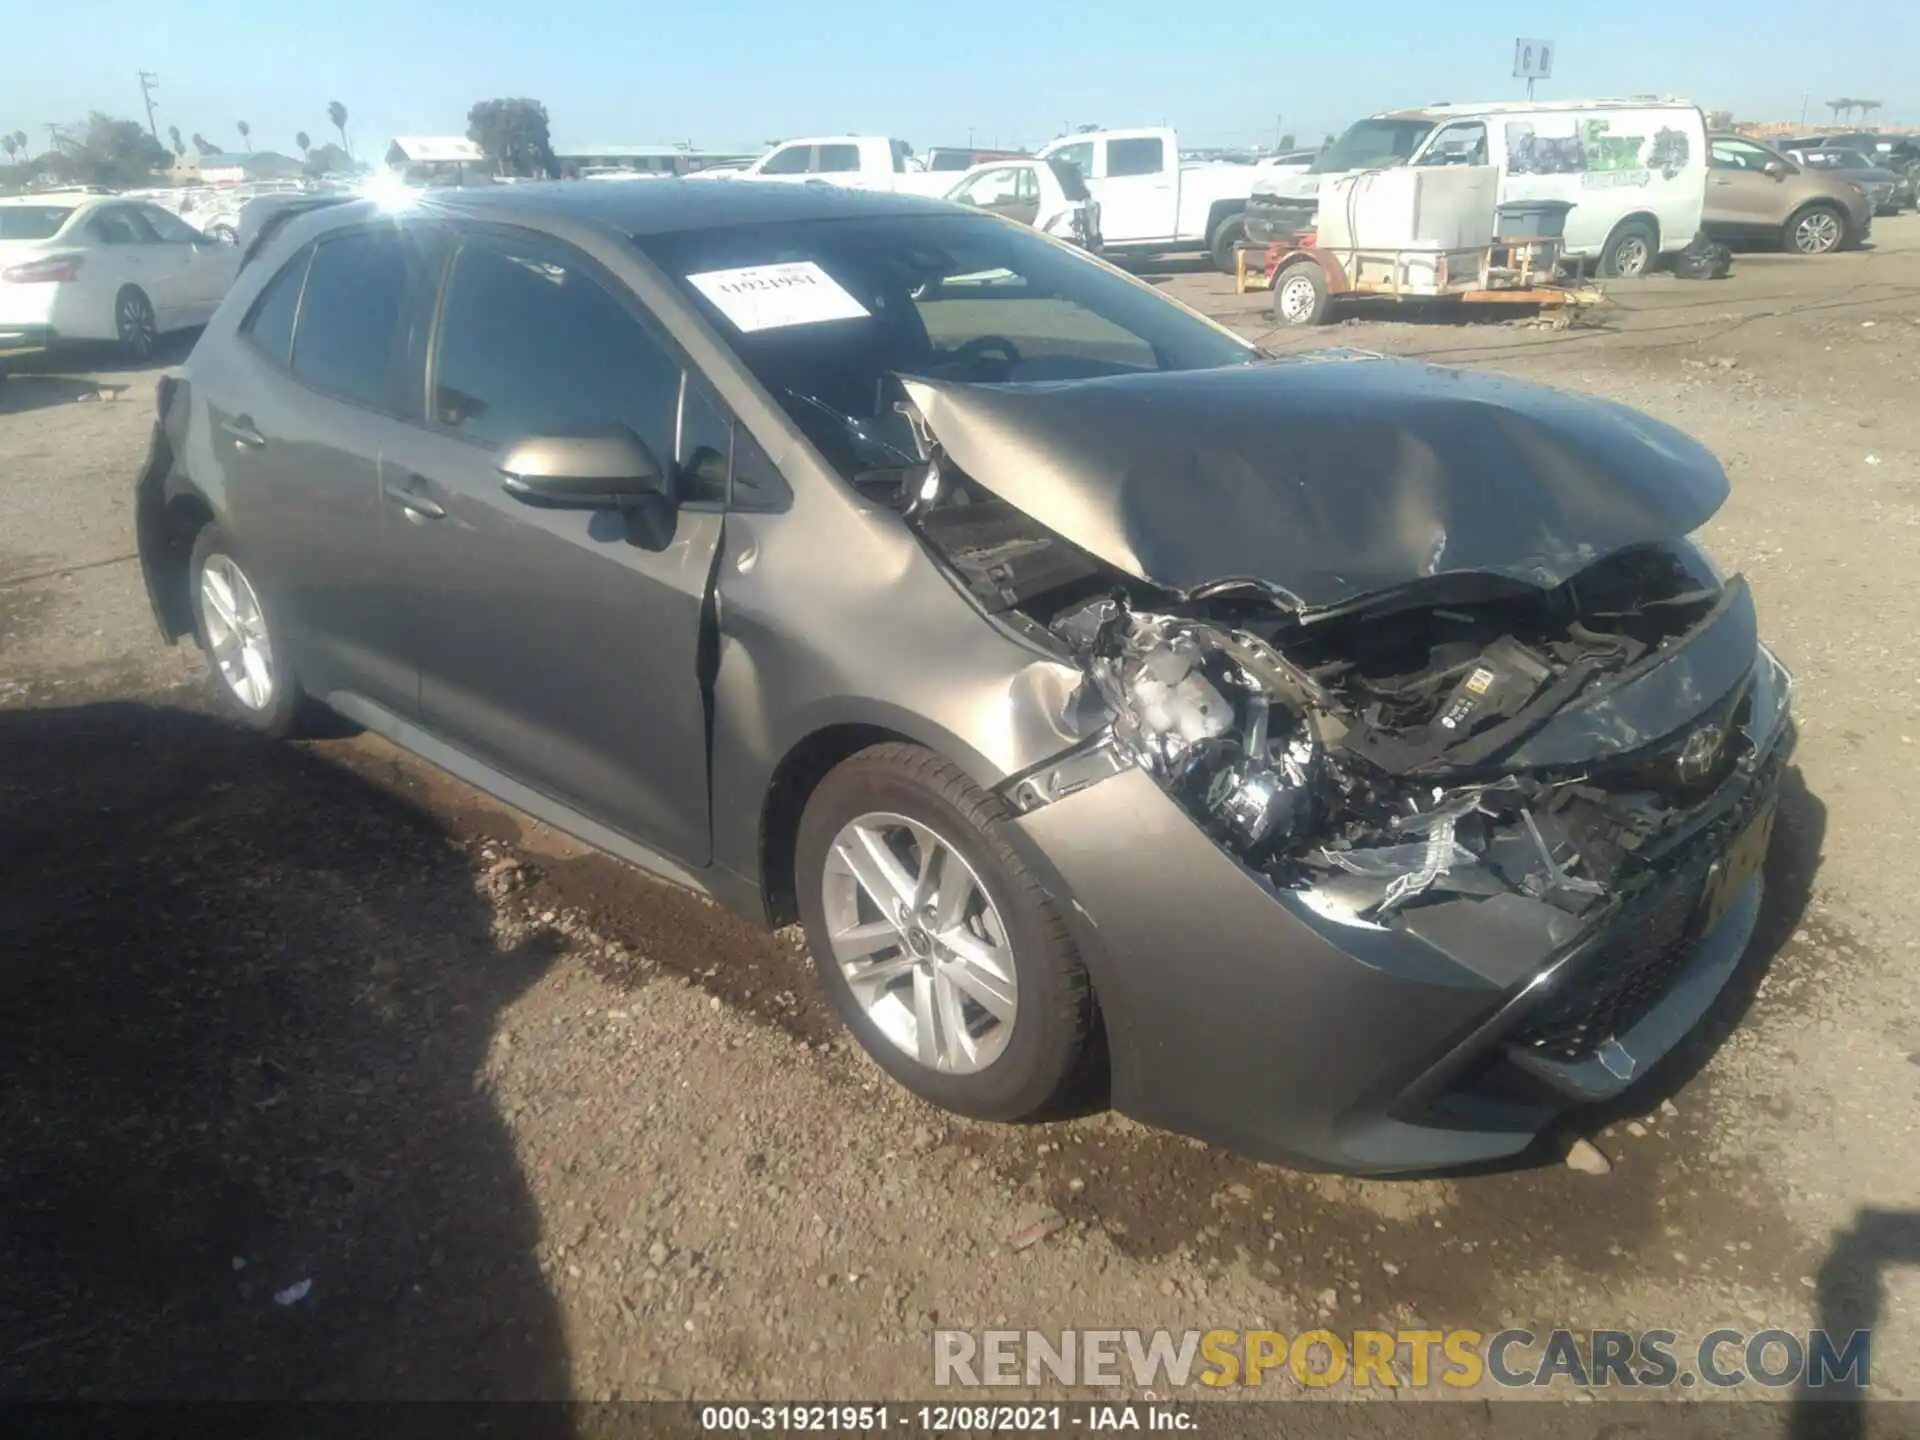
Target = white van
(1635,170)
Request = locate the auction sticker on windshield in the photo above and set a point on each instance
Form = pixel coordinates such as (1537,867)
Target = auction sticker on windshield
(766,297)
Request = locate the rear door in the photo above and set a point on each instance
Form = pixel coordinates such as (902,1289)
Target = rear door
(558,646)
(131,254)
(300,418)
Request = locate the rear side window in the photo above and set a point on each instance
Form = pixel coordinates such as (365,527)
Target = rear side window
(1143,156)
(270,325)
(356,295)
(838,159)
(531,344)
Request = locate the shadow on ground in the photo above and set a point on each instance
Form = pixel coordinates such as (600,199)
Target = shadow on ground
(246,998)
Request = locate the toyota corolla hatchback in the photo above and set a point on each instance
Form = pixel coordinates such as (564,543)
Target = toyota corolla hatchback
(1345,760)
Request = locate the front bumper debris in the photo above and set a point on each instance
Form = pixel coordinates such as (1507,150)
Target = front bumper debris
(1266,1020)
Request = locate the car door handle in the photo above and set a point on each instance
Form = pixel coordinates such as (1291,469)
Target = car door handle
(418,506)
(243,433)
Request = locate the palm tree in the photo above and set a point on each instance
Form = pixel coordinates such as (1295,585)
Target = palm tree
(245,130)
(303,142)
(20,139)
(337,113)
(7,144)
(200,143)
(1866,108)
(179,145)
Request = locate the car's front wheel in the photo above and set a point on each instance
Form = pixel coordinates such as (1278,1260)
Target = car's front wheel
(244,648)
(943,953)
(1816,230)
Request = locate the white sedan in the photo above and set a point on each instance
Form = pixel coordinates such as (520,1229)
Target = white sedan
(102,267)
(1049,195)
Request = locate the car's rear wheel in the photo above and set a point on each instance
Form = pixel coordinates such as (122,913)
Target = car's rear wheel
(1816,230)
(1630,251)
(944,955)
(135,325)
(251,676)
(224,233)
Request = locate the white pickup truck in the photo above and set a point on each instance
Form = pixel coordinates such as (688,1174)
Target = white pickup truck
(1153,203)
(858,162)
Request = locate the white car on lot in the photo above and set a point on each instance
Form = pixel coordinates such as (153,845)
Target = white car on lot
(101,267)
(854,162)
(1049,195)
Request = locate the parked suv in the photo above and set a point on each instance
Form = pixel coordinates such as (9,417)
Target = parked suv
(1353,762)
(1754,193)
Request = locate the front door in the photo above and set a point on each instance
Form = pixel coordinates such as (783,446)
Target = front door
(1008,190)
(1742,198)
(560,647)
(1137,187)
(207,268)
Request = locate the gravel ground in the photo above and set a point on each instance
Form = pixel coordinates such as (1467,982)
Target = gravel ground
(494,1116)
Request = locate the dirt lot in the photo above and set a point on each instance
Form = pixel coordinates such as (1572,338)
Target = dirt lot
(523,1123)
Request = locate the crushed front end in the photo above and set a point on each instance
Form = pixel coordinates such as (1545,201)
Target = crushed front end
(1454,860)
(1429,765)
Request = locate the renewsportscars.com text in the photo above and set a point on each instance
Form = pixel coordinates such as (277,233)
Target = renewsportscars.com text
(1401,1359)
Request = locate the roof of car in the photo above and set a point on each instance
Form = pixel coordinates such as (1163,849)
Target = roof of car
(667,205)
(1450,110)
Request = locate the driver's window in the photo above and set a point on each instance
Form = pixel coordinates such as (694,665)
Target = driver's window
(170,229)
(996,187)
(1026,184)
(1463,144)
(1736,155)
(790,161)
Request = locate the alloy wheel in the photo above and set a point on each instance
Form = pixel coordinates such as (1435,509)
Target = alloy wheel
(1816,233)
(1630,258)
(138,331)
(920,942)
(236,630)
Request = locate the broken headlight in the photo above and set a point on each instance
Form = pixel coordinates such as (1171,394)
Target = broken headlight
(1211,714)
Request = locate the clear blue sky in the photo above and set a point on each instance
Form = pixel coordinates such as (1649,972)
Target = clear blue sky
(737,72)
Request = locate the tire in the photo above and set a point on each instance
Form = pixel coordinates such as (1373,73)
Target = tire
(225,234)
(1226,240)
(1816,230)
(1300,295)
(134,324)
(280,708)
(1630,251)
(1018,1067)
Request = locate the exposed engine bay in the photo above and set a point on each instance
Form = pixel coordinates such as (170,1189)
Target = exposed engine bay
(1368,753)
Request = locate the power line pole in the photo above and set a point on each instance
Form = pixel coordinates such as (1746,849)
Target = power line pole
(149,82)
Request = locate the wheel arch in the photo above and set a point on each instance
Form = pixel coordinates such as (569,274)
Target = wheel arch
(1219,213)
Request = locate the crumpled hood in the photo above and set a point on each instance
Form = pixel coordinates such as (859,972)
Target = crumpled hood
(1327,479)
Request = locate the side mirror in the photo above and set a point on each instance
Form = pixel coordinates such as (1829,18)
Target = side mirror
(1778,169)
(609,469)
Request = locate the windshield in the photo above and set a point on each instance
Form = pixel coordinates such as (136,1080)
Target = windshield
(951,297)
(32,222)
(1373,145)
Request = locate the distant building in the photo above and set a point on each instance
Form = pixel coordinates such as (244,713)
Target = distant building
(672,159)
(443,159)
(194,168)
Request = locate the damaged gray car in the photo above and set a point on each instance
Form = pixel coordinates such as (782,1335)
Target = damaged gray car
(1345,760)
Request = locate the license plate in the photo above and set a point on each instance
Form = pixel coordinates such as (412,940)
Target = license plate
(1737,867)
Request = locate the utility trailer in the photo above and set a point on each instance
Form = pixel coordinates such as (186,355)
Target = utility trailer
(1307,278)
